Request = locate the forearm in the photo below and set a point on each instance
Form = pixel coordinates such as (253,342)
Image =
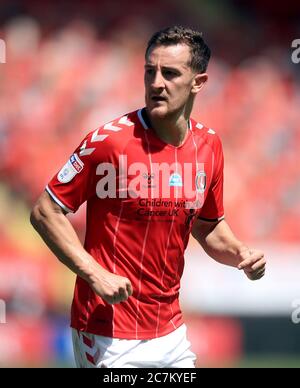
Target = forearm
(61,238)
(220,243)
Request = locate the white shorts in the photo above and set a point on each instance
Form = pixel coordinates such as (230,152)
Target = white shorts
(169,351)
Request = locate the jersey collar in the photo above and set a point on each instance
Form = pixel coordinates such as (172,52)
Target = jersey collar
(144,119)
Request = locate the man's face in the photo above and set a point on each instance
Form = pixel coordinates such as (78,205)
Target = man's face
(168,79)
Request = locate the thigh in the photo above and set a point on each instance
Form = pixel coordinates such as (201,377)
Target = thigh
(180,354)
(172,351)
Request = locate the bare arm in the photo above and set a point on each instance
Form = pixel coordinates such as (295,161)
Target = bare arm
(219,242)
(51,223)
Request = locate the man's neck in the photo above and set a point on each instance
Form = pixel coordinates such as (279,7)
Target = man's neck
(171,131)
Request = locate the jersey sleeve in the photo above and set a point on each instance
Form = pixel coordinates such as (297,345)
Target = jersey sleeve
(74,183)
(213,209)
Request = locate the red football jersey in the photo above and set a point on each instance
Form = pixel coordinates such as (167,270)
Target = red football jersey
(143,196)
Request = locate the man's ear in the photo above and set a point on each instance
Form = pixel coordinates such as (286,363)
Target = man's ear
(199,82)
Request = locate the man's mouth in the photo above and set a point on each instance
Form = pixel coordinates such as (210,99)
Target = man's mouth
(158,98)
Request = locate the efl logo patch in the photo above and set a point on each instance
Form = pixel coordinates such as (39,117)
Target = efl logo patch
(76,163)
(70,169)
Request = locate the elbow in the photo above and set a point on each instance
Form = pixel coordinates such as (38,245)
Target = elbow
(35,216)
(39,214)
(44,212)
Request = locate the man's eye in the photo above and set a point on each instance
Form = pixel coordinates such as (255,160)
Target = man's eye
(170,73)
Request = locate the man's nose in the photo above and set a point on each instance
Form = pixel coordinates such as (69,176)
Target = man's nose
(158,81)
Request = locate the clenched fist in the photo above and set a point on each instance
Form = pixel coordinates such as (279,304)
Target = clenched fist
(253,263)
(112,288)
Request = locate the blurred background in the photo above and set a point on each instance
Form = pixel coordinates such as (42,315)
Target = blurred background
(72,66)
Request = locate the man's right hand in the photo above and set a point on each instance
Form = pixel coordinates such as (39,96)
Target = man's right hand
(112,288)
(50,221)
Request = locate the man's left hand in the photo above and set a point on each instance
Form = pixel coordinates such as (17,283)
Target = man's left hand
(253,263)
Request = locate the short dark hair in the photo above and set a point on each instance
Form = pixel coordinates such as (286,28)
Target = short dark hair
(200,52)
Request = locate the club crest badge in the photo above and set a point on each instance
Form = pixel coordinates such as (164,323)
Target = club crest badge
(200,182)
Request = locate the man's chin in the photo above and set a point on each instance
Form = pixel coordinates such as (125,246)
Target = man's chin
(157,112)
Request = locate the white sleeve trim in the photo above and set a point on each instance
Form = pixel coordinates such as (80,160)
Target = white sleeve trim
(64,207)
